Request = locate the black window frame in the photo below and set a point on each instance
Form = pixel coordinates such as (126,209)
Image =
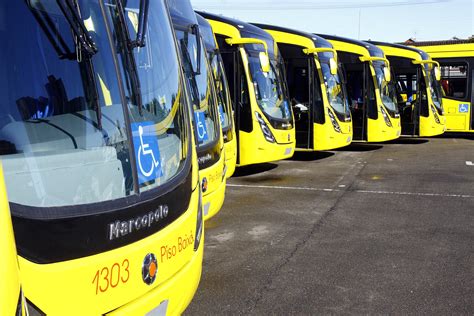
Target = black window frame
(456,62)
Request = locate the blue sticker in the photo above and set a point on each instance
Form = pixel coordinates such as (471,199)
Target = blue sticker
(221,114)
(201,128)
(147,152)
(463,108)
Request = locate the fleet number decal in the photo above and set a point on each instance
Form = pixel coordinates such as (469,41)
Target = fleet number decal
(110,277)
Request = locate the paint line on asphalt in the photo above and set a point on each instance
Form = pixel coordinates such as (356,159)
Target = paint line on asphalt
(463,196)
(281,187)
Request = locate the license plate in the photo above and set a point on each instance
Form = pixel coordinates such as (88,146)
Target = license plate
(160,310)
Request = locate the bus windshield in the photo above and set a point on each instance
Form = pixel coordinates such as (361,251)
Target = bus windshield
(334,89)
(435,88)
(388,91)
(269,88)
(223,96)
(63,129)
(200,84)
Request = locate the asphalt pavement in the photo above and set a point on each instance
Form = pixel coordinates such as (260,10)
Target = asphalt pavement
(368,229)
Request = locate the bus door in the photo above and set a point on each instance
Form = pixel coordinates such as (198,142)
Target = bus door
(356,84)
(405,97)
(300,84)
(239,92)
(301,73)
(408,93)
(370,100)
(422,106)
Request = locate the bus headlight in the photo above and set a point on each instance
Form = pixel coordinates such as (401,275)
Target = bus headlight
(265,129)
(385,117)
(435,114)
(199,223)
(334,122)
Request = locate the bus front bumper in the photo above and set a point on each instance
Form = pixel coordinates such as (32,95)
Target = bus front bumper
(212,202)
(173,296)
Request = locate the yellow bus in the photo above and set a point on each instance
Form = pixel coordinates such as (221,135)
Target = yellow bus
(371,90)
(11,296)
(419,101)
(223,95)
(201,92)
(263,117)
(456,59)
(317,92)
(99,158)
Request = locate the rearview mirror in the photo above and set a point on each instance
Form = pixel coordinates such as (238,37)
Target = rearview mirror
(387,74)
(264,62)
(437,73)
(333,66)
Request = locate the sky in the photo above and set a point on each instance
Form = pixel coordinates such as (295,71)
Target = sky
(381,20)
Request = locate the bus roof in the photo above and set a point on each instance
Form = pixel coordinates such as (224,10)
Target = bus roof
(245,29)
(206,33)
(371,48)
(423,54)
(441,42)
(318,40)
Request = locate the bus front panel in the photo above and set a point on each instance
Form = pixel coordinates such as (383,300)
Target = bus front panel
(99,159)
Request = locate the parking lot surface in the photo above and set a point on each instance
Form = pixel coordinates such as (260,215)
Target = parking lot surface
(372,228)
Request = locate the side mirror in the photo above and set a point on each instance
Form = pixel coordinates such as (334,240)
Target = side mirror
(333,66)
(387,74)
(264,62)
(437,73)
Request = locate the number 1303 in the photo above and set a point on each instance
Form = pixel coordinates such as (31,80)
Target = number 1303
(111,277)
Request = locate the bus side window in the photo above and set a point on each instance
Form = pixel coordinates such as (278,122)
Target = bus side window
(454,80)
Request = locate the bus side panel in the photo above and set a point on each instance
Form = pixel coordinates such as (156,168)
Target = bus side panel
(457,119)
(429,127)
(213,184)
(325,138)
(254,149)
(231,156)
(9,274)
(378,131)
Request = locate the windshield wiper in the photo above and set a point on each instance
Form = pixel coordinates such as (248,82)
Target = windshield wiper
(140,40)
(196,31)
(87,46)
(71,13)
(127,46)
(189,69)
(52,33)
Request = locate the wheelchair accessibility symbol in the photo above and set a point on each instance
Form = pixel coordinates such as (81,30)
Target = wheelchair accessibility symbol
(201,128)
(463,108)
(221,114)
(147,152)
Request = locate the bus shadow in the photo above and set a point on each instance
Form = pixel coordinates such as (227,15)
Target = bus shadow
(408,141)
(360,147)
(311,156)
(466,136)
(253,169)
